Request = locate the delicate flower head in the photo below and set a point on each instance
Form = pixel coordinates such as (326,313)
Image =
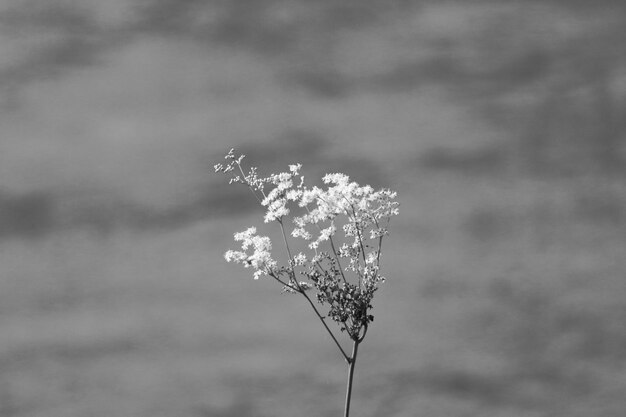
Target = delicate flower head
(337,178)
(301,233)
(260,259)
(309,195)
(378,232)
(276,210)
(325,234)
(235,256)
(293,195)
(300,259)
(246,235)
(371,258)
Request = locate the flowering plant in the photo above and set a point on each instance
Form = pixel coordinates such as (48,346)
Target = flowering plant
(343,271)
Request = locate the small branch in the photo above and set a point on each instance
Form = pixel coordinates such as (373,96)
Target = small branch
(319,316)
(284,283)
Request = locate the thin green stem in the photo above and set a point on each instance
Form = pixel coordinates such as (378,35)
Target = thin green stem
(351,366)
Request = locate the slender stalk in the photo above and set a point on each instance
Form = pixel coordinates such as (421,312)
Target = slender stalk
(319,316)
(352,363)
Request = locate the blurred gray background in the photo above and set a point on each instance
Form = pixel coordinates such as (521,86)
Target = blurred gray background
(500,123)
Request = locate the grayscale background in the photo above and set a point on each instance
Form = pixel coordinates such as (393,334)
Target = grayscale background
(501,124)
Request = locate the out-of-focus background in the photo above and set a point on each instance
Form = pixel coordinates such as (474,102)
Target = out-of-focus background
(500,123)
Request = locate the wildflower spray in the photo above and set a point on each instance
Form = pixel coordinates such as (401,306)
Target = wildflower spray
(342,269)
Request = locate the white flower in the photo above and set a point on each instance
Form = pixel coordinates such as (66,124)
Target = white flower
(371,258)
(339,179)
(347,251)
(271,197)
(284,185)
(378,232)
(235,256)
(363,213)
(349,229)
(260,259)
(293,195)
(309,196)
(276,210)
(245,236)
(302,233)
(299,259)
(324,235)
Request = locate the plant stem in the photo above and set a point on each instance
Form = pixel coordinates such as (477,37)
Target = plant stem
(352,363)
(319,316)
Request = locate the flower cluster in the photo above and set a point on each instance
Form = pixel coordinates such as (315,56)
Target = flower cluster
(260,259)
(342,268)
